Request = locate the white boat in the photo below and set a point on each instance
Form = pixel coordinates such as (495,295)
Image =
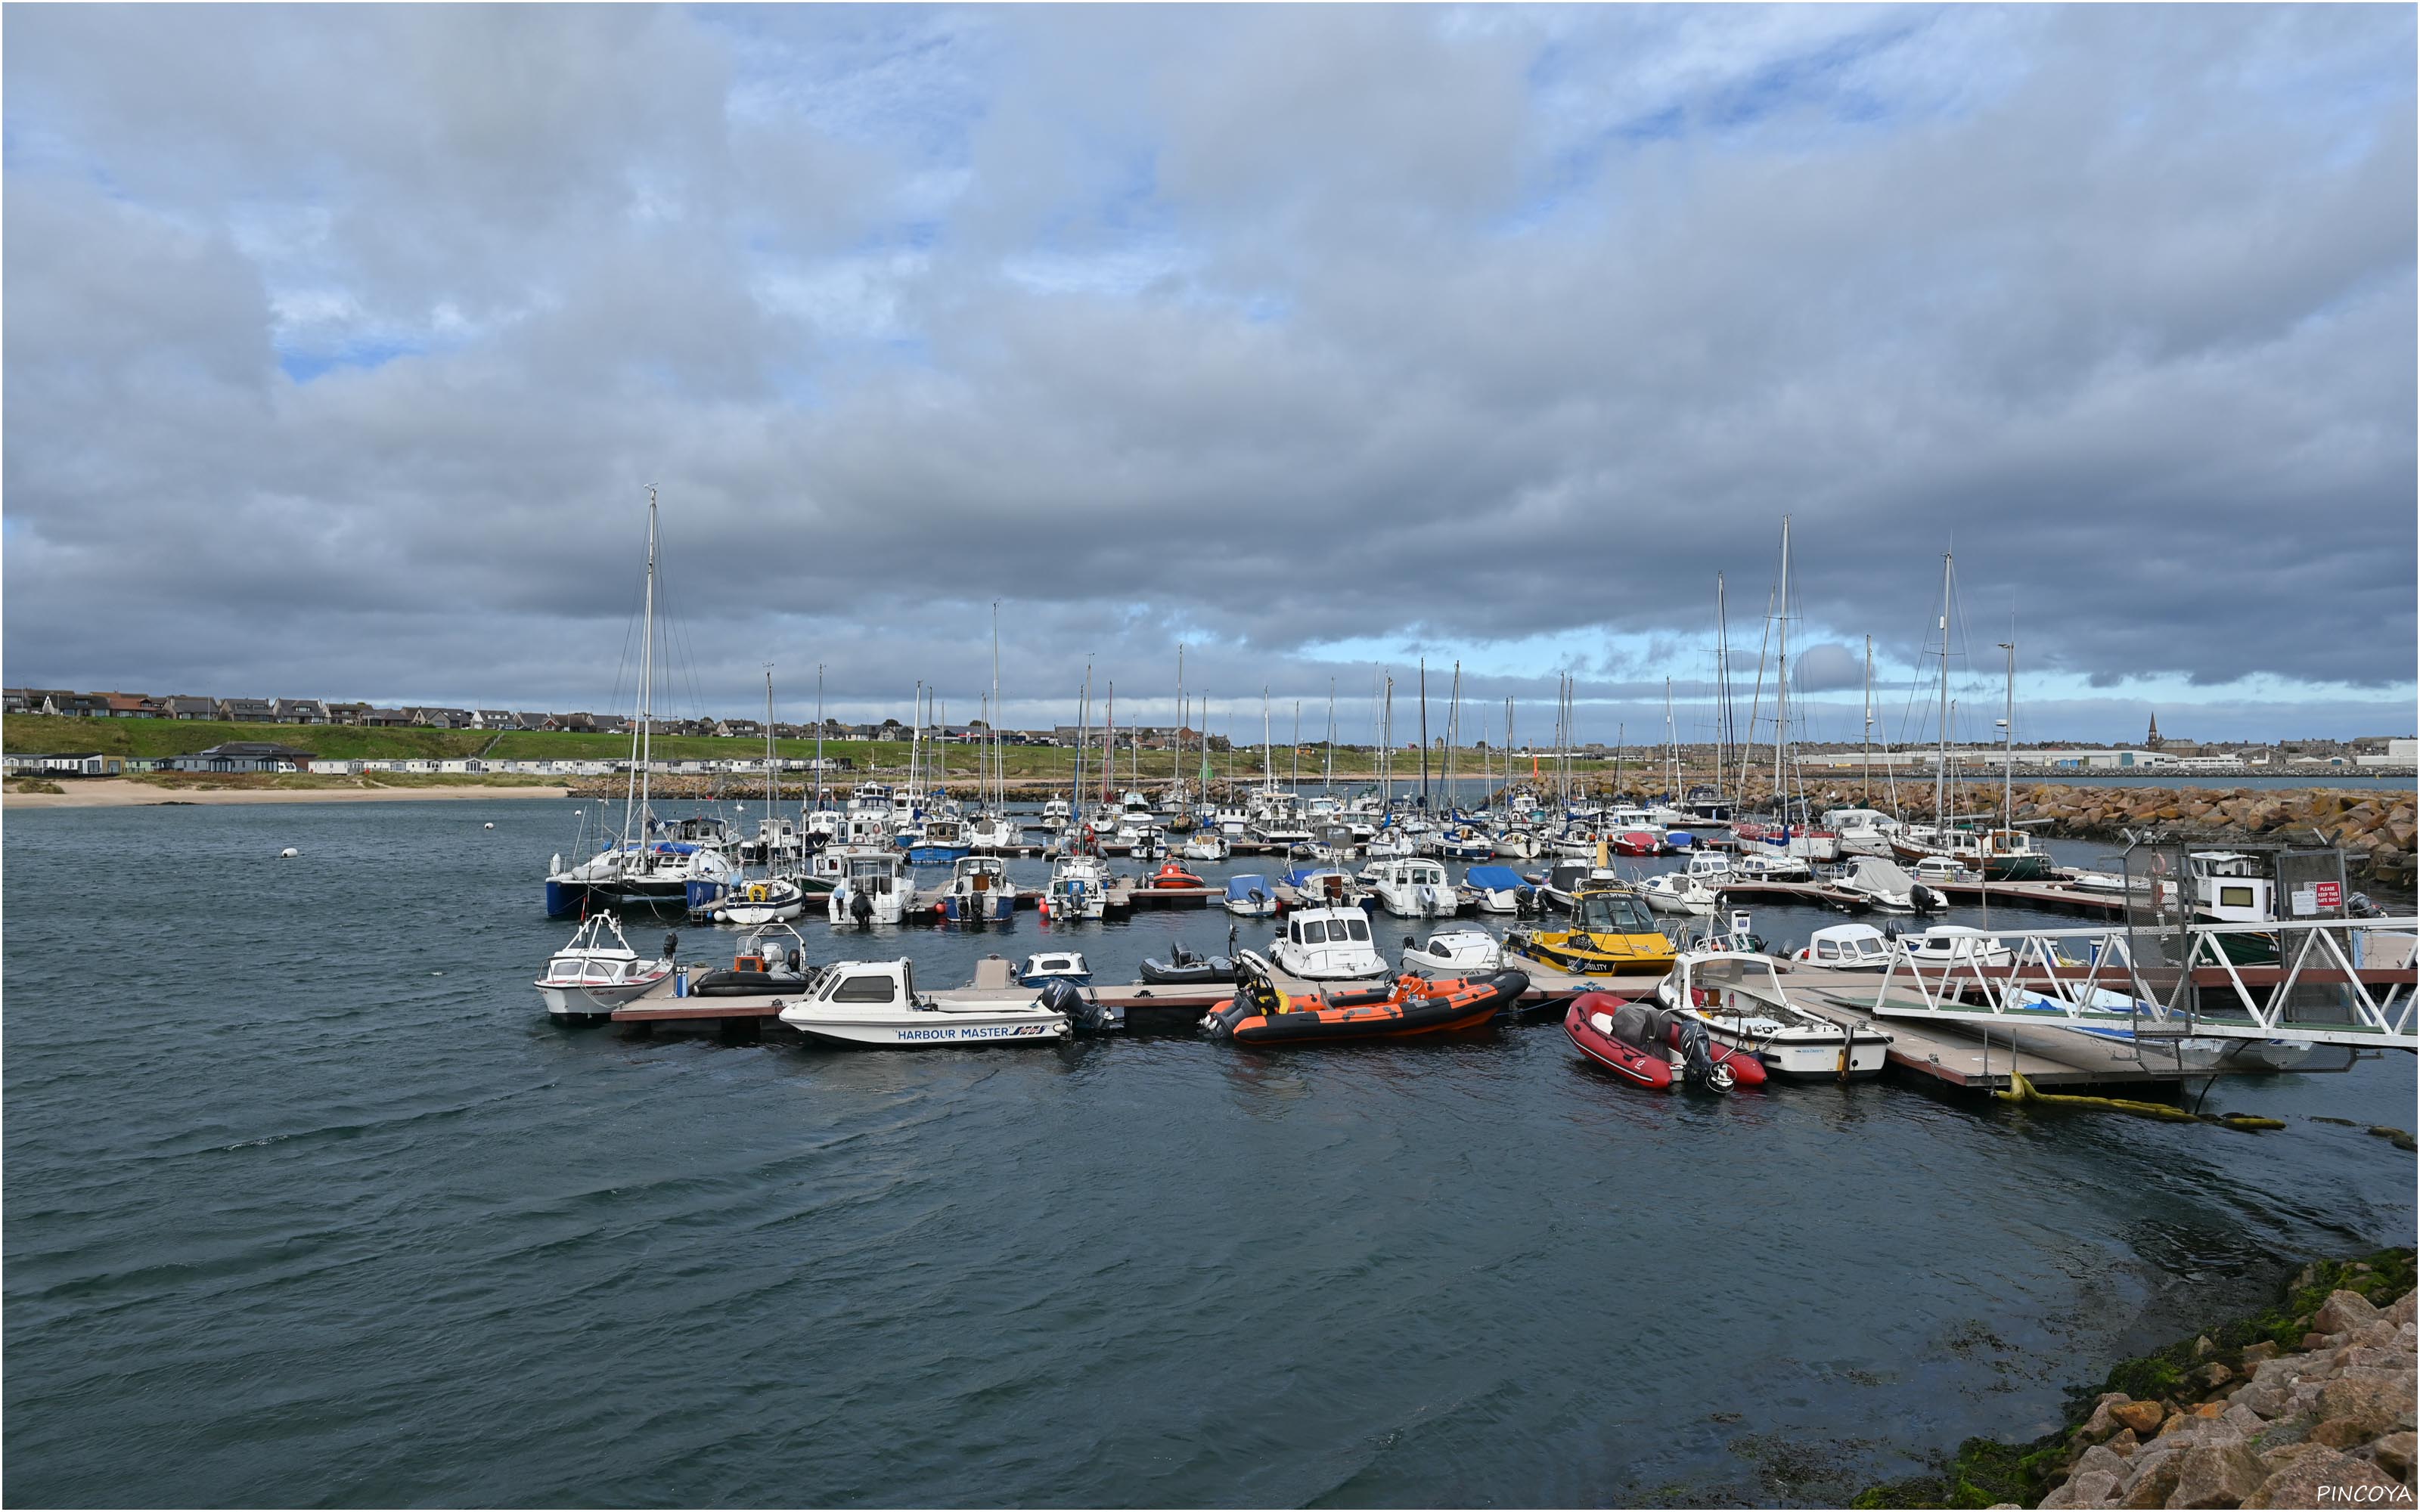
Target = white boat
(1411,890)
(1740,999)
(1682,892)
(1761,865)
(1391,846)
(2158,1050)
(1955,945)
(591,974)
(1499,889)
(1871,881)
(1563,882)
(1250,897)
(995,834)
(874,888)
(1861,831)
(1046,966)
(1847,947)
(1935,870)
(1328,945)
(875,1003)
(769,900)
(1078,887)
(1455,952)
(1056,814)
(1205,844)
(1517,843)
(979,891)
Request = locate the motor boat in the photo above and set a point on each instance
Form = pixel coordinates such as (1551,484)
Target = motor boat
(995,834)
(1078,887)
(1847,947)
(1607,930)
(979,893)
(1250,897)
(1185,968)
(1954,944)
(1647,1045)
(1563,882)
(939,841)
(1999,855)
(1872,882)
(1262,1013)
(1205,844)
(1517,844)
(1313,886)
(1736,935)
(1685,891)
(1499,889)
(1056,814)
(1047,966)
(1740,999)
(593,975)
(875,1003)
(1455,952)
(1780,838)
(768,900)
(1171,875)
(1861,831)
(1390,845)
(768,961)
(1462,843)
(1411,890)
(1328,945)
(874,888)
(1769,866)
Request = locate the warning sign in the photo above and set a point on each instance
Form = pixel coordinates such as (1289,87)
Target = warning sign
(2327,894)
(2307,901)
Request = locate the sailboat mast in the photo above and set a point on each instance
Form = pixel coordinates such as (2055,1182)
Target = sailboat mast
(2009,739)
(646,683)
(1327,776)
(1722,688)
(772,794)
(991,726)
(1177,769)
(819,733)
(1424,733)
(1941,769)
(1268,747)
(1109,741)
(631,797)
(1781,682)
(1870,721)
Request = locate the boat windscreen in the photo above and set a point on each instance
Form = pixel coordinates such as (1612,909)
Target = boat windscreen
(1614,913)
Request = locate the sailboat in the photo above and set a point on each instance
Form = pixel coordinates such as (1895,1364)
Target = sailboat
(2003,853)
(654,867)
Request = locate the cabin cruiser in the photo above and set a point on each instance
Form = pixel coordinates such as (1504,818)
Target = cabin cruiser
(1861,831)
(1769,866)
(776,840)
(874,888)
(1739,998)
(979,891)
(1461,842)
(1411,890)
(2000,855)
(1328,945)
(1847,947)
(1455,952)
(1078,887)
(1780,838)
(875,1003)
(1391,844)
(1954,944)
(1313,887)
(593,975)
(1563,882)
(1940,870)
(1232,822)
(995,833)
(1205,844)
(1688,892)
(1250,897)
(1055,814)
(939,841)
(1499,889)
(1871,881)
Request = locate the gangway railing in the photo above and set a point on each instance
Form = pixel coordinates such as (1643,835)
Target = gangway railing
(2235,980)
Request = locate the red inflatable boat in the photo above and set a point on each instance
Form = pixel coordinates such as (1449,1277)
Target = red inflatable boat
(1651,1047)
(1172,875)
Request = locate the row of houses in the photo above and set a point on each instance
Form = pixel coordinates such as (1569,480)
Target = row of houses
(269,756)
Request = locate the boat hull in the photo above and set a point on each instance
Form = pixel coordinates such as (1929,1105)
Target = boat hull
(1410,1008)
(926,1030)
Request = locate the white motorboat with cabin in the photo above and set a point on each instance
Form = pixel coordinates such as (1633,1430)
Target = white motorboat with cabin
(1205,844)
(874,888)
(1078,887)
(594,974)
(875,1003)
(1954,944)
(1563,882)
(1739,998)
(1454,952)
(979,891)
(1872,882)
(1328,945)
(1846,948)
(1054,965)
(1694,892)
(1861,831)
(1411,890)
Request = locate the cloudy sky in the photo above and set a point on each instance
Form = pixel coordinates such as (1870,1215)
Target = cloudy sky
(341,344)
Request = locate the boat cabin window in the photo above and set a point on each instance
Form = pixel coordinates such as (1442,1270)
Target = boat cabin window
(874,989)
(1614,913)
(1311,931)
(1357,928)
(2235,896)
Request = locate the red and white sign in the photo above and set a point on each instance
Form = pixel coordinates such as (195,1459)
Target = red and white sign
(2327,894)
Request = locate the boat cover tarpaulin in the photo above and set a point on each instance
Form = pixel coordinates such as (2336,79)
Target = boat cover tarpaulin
(1874,873)
(1495,878)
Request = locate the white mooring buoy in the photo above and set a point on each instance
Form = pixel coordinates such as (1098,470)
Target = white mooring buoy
(288,851)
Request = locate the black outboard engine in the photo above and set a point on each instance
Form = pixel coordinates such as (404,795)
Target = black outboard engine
(672,944)
(1084,1011)
(1525,899)
(860,909)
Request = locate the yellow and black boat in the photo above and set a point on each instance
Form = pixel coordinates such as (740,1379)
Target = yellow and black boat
(1607,930)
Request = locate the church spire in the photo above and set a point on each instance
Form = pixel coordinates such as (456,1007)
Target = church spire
(2151,741)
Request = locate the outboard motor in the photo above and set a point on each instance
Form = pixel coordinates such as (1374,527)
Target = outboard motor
(1525,900)
(861,907)
(1084,1011)
(1698,1054)
(672,945)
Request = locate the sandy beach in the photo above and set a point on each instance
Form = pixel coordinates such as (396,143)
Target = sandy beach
(112,793)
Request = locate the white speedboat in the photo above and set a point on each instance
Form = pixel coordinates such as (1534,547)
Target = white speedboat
(1847,947)
(593,975)
(995,834)
(1411,890)
(874,888)
(1078,887)
(1328,945)
(1059,965)
(875,1003)
(1499,889)
(1935,871)
(1679,892)
(1739,998)
(1761,865)
(1455,952)
(768,900)
(979,891)
(1861,831)
(1249,897)
(1954,944)
(1205,844)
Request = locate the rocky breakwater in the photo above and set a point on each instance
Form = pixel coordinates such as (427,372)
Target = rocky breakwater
(2308,1404)
(2374,827)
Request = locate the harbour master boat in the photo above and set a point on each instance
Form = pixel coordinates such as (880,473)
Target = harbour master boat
(875,1003)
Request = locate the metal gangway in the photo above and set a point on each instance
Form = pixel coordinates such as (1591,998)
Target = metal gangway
(2341,982)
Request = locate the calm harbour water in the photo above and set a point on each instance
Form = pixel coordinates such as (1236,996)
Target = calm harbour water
(308,1204)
